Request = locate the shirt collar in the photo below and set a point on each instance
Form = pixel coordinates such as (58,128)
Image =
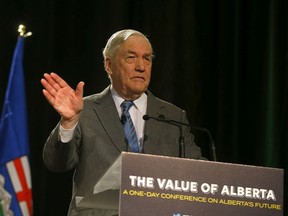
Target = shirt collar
(140,103)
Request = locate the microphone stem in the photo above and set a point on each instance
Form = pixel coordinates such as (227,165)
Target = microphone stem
(181,138)
(181,146)
(213,151)
(175,123)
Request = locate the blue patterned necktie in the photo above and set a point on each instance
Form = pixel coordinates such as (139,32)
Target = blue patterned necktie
(128,126)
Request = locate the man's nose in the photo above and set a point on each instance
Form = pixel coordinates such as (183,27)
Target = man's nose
(139,65)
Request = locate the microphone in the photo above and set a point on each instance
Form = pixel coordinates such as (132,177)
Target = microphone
(123,119)
(162,118)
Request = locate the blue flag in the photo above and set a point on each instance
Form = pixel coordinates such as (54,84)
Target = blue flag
(14,142)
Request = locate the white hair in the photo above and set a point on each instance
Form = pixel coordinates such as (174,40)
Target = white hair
(117,39)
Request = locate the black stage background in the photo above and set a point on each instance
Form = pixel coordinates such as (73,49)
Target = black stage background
(224,62)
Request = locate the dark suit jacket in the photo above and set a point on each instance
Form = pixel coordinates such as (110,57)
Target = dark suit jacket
(99,139)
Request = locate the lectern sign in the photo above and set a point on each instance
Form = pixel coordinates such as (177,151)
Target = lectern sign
(165,186)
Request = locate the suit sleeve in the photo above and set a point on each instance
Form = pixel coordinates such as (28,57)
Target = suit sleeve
(59,156)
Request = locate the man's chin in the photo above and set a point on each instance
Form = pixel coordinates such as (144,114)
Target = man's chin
(137,92)
(140,90)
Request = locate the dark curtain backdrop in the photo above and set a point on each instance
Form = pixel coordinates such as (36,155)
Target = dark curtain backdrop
(224,62)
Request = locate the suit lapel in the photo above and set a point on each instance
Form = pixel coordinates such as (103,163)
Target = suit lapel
(152,130)
(108,116)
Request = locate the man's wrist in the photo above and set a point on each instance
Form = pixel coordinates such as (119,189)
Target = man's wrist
(69,123)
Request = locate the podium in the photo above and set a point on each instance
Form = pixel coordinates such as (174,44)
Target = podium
(142,184)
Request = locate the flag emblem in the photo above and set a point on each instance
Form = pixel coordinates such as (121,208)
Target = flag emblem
(19,172)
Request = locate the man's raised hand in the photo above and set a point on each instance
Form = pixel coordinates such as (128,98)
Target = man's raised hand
(65,100)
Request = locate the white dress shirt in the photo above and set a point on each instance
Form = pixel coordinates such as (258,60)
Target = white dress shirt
(136,112)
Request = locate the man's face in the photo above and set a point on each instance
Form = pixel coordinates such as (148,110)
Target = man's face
(130,69)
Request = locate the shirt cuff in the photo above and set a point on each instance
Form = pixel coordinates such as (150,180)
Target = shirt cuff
(66,135)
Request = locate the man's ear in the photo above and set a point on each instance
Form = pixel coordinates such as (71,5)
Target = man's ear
(107,64)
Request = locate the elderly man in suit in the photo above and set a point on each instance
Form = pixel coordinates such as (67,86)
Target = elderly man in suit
(91,133)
